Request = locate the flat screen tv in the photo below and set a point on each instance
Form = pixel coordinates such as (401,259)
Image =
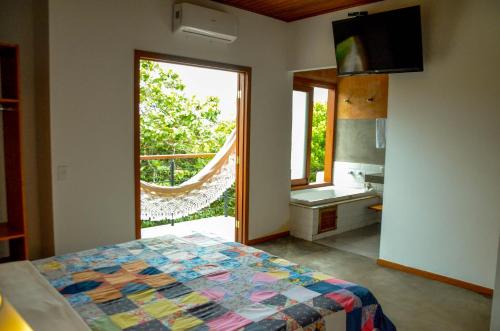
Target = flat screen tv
(379,43)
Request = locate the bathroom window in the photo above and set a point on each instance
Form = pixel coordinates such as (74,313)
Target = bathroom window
(312,134)
(301,134)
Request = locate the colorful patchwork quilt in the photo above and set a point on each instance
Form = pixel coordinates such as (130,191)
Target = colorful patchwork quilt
(202,283)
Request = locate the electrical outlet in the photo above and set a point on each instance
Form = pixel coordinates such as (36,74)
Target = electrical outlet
(62,173)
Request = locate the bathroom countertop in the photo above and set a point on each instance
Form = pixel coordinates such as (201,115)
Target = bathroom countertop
(375,178)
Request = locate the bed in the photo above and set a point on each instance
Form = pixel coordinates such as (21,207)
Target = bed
(184,283)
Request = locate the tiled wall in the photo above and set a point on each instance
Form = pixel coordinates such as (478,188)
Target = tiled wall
(343,177)
(355,141)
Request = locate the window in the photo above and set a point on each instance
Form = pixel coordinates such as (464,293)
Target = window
(300,135)
(312,134)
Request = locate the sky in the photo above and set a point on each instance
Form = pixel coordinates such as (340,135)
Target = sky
(204,82)
(320,95)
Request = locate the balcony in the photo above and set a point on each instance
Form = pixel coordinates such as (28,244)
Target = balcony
(170,170)
(218,226)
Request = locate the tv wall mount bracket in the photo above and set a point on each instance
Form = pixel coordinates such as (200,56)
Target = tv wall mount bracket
(357,13)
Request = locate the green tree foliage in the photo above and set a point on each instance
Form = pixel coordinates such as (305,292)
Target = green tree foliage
(173,123)
(318,139)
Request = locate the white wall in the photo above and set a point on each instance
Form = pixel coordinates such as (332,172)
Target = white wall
(442,159)
(91,75)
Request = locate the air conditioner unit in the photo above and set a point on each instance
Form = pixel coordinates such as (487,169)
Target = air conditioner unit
(200,21)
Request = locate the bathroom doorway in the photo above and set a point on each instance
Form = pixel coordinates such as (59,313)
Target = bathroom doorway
(343,200)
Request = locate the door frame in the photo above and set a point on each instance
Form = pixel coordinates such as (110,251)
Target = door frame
(242,133)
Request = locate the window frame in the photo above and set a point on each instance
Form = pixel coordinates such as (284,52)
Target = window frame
(308,85)
(310,104)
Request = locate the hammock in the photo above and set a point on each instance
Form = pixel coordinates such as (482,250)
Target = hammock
(160,202)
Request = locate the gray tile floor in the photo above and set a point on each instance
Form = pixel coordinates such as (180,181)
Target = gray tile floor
(411,302)
(363,241)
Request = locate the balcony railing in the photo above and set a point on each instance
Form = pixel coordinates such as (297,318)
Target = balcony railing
(178,156)
(172,167)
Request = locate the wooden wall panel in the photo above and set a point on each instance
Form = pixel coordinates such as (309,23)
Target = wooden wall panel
(362,97)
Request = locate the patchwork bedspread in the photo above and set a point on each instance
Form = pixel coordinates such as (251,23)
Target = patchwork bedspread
(202,283)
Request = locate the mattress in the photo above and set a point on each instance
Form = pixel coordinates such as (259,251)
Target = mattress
(203,283)
(39,303)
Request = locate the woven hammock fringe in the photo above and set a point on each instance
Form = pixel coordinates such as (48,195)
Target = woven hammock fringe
(209,185)
(158,209)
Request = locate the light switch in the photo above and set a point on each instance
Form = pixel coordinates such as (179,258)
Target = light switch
(62,173)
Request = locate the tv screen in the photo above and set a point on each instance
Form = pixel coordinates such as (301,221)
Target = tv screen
(380,43)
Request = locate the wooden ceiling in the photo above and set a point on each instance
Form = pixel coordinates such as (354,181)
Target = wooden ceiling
(293,10)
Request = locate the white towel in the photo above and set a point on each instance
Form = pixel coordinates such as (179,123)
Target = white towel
(380,132)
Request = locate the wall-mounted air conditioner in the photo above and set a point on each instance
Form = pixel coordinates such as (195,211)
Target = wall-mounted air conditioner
(190,19)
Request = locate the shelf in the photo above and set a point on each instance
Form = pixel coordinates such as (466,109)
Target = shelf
(7,233)
(14,231)
(7,100)
(376,207)
(9,105)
